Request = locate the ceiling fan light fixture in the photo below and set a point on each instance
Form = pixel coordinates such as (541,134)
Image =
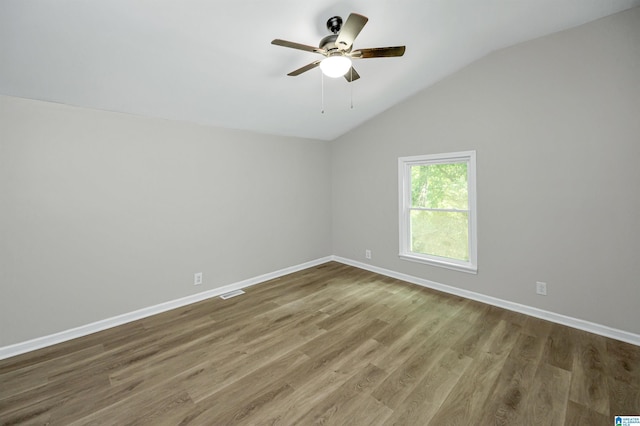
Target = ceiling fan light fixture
(335,66)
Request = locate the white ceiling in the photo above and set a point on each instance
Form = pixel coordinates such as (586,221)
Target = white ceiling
(211,62)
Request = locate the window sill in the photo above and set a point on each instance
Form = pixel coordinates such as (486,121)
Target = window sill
(470,269)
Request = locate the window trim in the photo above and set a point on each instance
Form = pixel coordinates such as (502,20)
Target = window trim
(404,191)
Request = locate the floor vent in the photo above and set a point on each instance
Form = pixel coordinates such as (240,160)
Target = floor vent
(231,294)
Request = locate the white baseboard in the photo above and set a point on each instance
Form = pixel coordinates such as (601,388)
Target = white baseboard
(63,336)
(591,327)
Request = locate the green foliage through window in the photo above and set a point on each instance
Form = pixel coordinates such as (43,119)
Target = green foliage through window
(439,217)
(443,234)
(440,186)
(438,222)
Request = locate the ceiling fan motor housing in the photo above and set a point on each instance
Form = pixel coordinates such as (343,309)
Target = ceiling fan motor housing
(329,43)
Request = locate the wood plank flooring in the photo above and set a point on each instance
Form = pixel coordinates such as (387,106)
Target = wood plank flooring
(328,345)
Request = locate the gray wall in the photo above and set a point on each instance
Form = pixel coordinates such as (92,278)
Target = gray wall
(556,125)
(103,213)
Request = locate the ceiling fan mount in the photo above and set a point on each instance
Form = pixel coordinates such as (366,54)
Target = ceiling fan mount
(334,24)
(340,44)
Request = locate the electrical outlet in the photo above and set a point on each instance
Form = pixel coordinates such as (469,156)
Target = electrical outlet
(367,254)
(541,288)
(197,278)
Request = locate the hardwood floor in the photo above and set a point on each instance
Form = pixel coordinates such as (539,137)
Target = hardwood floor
(328,345)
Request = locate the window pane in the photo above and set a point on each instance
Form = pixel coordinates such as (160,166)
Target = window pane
(443,234)
(440,186)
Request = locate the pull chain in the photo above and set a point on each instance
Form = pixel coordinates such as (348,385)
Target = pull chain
(351,84)
(322,90)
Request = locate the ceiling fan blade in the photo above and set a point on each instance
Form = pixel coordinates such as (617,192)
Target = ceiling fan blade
(352,75)
(291,44)
(378,52)
(306,68)
(350,31)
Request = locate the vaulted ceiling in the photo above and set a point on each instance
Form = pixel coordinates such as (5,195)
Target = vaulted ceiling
(211,62)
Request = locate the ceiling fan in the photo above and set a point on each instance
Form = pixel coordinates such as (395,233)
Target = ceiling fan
(337,49)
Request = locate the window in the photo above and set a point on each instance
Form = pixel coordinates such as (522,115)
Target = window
(438,210)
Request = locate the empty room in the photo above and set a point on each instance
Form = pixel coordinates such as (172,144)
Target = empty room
(296,213)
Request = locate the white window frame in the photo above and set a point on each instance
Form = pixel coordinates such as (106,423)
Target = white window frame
(404,183)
